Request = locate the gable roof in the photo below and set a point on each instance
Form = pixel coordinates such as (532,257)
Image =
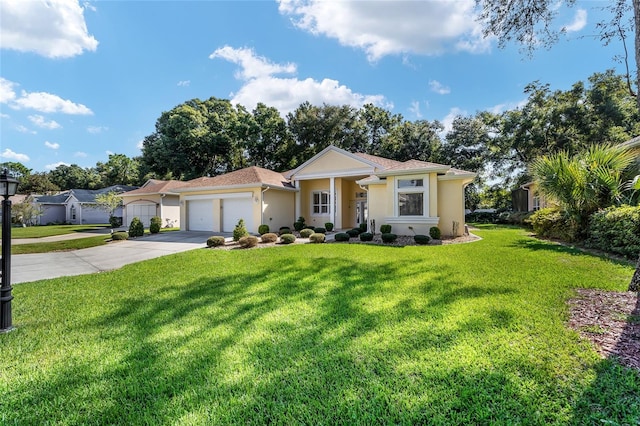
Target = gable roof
(366,159)
(89,195)
(155,186)
(52,199)
(250,176)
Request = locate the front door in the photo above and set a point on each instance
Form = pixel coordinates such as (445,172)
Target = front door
(362,213)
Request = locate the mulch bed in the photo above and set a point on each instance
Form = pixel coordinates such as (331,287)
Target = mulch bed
(611,320)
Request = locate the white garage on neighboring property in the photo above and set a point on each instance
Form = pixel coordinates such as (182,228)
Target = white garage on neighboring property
(154,198)
(256,195)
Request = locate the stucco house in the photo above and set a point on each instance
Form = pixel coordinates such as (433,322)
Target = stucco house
(534,200)
(154,198)
(334,186)
(76,206)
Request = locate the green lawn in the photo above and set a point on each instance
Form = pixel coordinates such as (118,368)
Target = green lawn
(50,230)
(318,334)
(67,245)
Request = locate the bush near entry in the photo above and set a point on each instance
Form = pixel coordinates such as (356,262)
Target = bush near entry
(136,228)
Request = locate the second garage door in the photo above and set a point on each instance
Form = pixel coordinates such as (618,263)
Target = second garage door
(234,209)
(143,211)
(200,215)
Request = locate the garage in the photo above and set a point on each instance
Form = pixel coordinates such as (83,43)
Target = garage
(234,209)
(200,215)
(143,211)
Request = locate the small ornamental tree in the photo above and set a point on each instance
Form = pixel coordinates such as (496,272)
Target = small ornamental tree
(240,231)
(136,228)
(156,224)
(109,202)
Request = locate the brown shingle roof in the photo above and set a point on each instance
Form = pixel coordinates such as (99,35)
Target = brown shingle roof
(385,163)
(154,186)
(415,164)
(246,176)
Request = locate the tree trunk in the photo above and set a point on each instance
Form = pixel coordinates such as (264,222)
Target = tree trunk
(636,11)
(634,285)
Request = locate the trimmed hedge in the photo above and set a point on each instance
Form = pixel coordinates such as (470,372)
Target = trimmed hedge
(362,227)
(551,223)
(421,239)
(269,237)
(306,233)
(385,229)
(342,236)
(263,229)
(119,236)
(287,238)
(317,238)
(389,237)
(353,232)
(248,241)
(215,241)
(366,236)
(616,230)
(285,231)
(329,226)
(319,230)
(136,228)
(155,225)
(435,233)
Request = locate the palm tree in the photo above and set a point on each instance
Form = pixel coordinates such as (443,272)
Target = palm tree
(634,285)
(586,182)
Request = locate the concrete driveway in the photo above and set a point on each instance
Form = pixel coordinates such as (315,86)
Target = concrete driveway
(32,267)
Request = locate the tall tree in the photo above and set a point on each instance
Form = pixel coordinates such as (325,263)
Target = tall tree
(270,145)
(74,177)
(418,140)
(530,23)
(378,124)
(37,183)
(119,170)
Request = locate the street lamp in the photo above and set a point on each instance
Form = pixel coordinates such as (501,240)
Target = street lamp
(8,187)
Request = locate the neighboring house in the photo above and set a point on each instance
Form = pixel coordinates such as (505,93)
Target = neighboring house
(334,186)
(77,206)
(534,200)
(632,143)
(154,198)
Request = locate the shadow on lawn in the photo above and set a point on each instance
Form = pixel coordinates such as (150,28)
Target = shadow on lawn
(310,340)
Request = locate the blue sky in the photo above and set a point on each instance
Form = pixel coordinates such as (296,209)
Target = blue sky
(80,80)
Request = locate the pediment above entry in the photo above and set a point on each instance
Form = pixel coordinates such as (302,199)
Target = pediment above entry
(333,162)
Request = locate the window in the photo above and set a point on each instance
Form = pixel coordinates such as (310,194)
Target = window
(320,203)
(73,212)
(536,202)
(411,197)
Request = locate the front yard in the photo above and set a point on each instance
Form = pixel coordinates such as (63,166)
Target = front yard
(319,334)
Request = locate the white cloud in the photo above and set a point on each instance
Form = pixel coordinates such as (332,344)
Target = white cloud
(184,83)
(7,93)
(48,103)
(437,87)
(54,28)
(3,115)
(447,121)
(507,106)
(52,145)
(383,28)
(415,109)
(80,154)
(251,65)
(286,94)
(55,165)
(97,129)
(109,152)
(40,121)
(579,21)
(140,144)
(23,129)
(10,155)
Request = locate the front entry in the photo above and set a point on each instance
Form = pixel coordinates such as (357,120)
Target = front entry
(362,213)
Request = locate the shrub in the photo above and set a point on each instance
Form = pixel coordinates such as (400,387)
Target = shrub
(240,230)
(248,241)
(284,231)
(421,239)
(385,229)
(287,238)
(353,233)
(320,230)
(363,227)
(215,241)
(342,236)
(136,228)
(269,237)
(299,224)
(389,237)
(306,233)
(121,235)
(317,238)
(263,229)
(366,236)
(481,217)
(115,221)
(329,226)
(435,233)
(616,230)
(551,223)
(155,225)
(309,227)
(519,218)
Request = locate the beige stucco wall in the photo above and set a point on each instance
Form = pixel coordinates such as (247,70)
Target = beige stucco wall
(332,163)
(450,206)
(278,209)
(348,197)
(306,189)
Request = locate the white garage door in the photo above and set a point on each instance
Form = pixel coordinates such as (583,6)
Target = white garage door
(144,212)
(234,209)
(200,215)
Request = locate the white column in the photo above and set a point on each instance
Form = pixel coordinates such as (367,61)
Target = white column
(298,195)
(332,197)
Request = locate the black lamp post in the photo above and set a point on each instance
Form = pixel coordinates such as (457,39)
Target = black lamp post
(8,187)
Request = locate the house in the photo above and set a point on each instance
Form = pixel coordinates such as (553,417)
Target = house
(154,198)
(334,186)
(533,199)
(77,206)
